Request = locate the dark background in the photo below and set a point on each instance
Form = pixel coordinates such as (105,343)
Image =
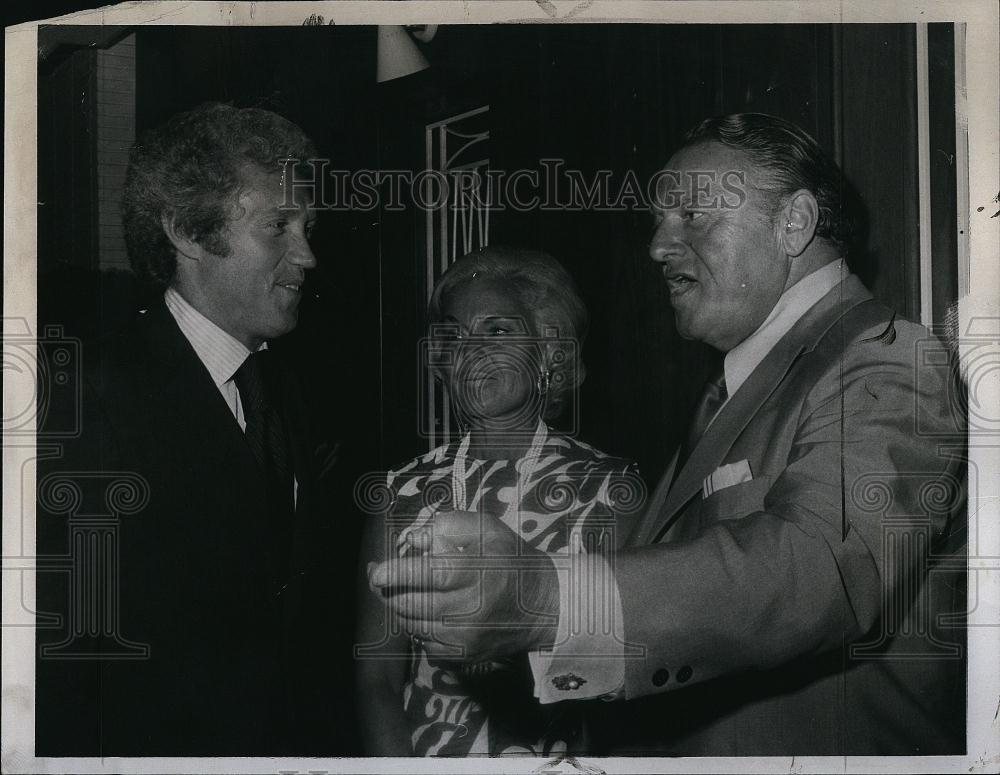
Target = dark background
(598,96)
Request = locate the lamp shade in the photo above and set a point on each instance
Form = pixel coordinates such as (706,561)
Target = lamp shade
(397,55)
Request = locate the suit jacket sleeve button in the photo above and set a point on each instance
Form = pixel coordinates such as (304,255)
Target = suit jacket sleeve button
(684,674)
(661,676)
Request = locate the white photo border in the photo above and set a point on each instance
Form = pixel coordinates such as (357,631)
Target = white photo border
(981,303)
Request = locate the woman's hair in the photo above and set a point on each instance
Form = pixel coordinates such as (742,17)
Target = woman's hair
(190,169)
(543,286)
(792,160)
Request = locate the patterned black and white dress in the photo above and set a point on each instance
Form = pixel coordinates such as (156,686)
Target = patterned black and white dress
(561,497)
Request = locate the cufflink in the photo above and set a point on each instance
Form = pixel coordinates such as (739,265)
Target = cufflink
(568,682)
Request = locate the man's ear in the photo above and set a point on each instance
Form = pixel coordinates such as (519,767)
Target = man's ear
(555,358)
(183,244)
(797,223)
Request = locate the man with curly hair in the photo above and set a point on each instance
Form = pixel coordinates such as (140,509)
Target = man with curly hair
(212,652)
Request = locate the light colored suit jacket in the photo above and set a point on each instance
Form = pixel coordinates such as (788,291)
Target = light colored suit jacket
(800,612)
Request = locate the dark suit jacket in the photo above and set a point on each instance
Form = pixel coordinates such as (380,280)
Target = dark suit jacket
(799,612)
(189,624)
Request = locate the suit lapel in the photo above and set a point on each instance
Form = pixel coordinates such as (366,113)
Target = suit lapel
(178,378)
(745,403)
(651,517)
(729,424)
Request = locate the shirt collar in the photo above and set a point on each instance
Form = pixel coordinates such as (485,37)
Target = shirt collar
(793,304)
(221,353)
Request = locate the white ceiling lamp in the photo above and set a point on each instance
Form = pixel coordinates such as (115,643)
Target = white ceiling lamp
(397,54)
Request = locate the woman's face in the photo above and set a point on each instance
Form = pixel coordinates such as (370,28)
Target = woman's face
(495,355)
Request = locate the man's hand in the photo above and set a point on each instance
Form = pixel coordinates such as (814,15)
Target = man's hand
(471,589)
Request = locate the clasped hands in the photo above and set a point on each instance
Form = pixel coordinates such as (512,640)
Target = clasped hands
(470,589)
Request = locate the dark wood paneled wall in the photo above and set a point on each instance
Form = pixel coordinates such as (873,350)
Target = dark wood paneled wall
(944,222)
(878,135)
(67,168)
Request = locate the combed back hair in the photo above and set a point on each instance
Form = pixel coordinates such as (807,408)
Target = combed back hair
(791,160)
(545,287)
(190,168)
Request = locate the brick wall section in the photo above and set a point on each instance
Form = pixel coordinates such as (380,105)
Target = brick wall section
(115,135)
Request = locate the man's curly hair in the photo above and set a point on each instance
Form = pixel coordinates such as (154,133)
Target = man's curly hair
(190,169)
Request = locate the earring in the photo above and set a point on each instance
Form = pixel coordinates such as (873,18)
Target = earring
(544,382)
(788,225)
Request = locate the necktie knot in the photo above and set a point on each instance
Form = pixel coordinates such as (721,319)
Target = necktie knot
(255,381)
(711,401)
(715,390)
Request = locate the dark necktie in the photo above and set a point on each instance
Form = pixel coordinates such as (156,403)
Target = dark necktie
(712,399)
(258,382)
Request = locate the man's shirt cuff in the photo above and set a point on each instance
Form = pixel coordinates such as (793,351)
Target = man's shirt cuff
(588,658)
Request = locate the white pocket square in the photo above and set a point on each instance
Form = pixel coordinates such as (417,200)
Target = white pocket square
(726,476)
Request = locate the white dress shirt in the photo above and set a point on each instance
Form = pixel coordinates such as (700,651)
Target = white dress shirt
(793,304)
(605,676)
